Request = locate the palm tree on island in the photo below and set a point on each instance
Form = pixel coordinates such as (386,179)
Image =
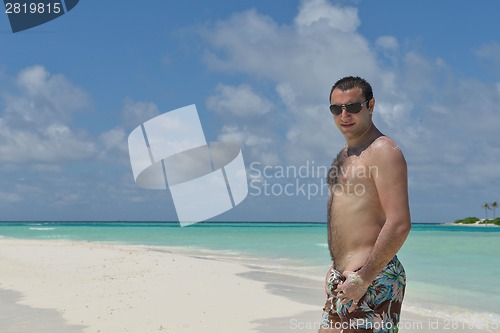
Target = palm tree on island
(494,205)
(486,206)
(474,220)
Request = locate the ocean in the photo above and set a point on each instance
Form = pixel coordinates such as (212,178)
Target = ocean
(452,271)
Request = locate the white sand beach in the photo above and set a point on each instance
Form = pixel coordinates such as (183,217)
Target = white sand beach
(85,287)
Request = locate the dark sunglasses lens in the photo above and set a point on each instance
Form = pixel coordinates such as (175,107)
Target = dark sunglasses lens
(336,109)
(354,108)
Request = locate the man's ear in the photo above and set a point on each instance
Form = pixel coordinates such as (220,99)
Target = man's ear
(371,105)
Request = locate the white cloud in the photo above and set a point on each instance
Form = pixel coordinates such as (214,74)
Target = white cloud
(444,123)
(46,168)
(135,113)
(242,136)
(115,138)
(307,56)
(114,142)
(319,11)
(286,93)
(395,114)
(10,197)
(387,42)
(67,198)
(33,125)
(258,147)
(490,52)
(43,98)
(303,60)
(56,143)
(239,100)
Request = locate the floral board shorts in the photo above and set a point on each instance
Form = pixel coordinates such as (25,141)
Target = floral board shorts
(377,311)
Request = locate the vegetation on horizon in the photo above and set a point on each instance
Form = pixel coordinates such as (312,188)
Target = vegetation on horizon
(475,220)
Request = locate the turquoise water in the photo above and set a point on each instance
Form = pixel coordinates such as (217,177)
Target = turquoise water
(449,266)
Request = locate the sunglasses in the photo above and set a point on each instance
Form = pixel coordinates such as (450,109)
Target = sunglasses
(336,109)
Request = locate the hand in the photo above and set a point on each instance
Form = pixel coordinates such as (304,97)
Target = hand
(352,289)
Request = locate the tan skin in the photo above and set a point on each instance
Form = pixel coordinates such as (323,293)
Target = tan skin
(370,216)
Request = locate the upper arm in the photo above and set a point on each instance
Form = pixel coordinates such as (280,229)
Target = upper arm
(391,181)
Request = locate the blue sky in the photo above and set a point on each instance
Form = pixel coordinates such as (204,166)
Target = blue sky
(259,72)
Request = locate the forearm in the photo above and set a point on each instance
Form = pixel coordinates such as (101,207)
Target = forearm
(392,236)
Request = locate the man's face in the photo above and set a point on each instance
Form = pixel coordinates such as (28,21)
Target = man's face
(352,125)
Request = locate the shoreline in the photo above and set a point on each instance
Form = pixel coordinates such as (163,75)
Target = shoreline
(108,288)
(471,224)
(90,287)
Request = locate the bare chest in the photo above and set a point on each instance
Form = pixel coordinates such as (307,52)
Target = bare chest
(352,176)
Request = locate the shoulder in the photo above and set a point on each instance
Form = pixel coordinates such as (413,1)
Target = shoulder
(385,150)
(384,142)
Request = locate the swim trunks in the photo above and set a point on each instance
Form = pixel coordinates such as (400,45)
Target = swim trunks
(377,311)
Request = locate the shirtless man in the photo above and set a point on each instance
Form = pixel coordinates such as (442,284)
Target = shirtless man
(368,219)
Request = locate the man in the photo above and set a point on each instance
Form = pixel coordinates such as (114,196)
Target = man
(368,218)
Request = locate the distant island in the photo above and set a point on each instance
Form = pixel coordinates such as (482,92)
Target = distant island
(477,221)
(474,220)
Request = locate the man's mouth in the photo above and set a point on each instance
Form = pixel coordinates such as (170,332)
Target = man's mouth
(347,125)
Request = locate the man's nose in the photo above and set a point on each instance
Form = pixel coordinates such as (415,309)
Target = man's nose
(344,113)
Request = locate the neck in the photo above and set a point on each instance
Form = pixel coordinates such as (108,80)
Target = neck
(357,145)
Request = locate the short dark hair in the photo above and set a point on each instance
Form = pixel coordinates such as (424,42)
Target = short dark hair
(349,82)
